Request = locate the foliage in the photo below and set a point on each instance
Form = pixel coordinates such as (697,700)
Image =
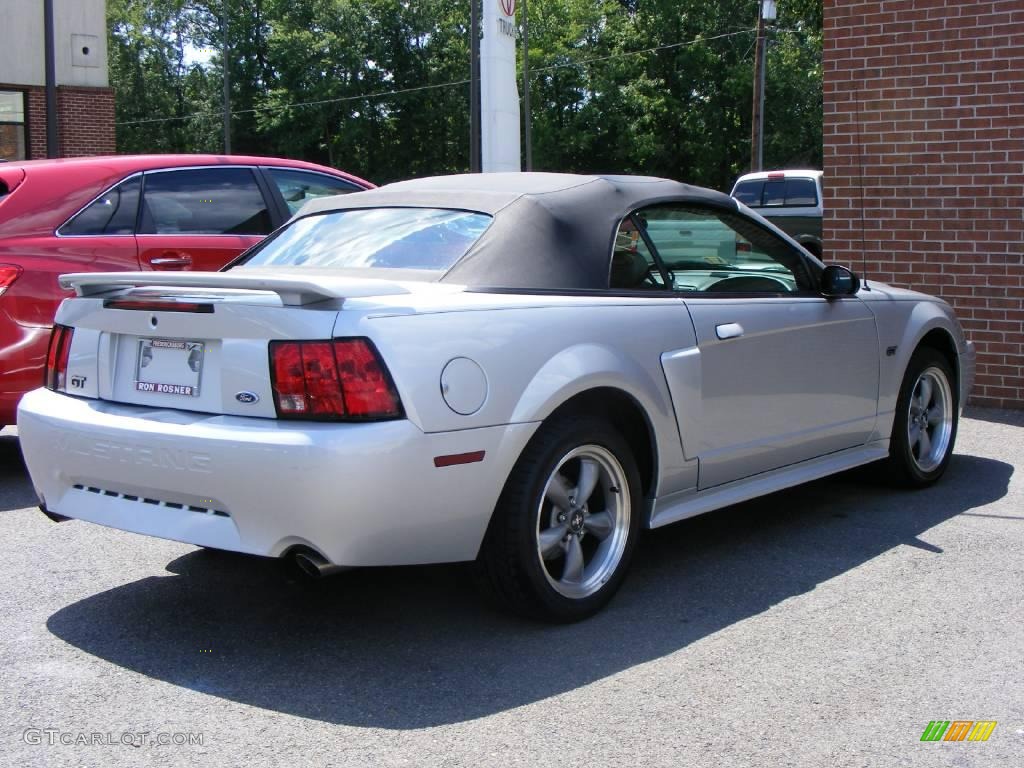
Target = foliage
(378,87)
(152,79)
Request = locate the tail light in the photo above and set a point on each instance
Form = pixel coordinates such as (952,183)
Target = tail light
(340,380)
(57,358)
(8,274)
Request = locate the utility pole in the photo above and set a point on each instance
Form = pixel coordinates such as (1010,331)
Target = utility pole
(226,71)
(52,150)
(765,12)
(526,92)
(474,87)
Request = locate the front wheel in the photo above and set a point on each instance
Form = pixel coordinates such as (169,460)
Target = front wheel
(566,524)
(924,429)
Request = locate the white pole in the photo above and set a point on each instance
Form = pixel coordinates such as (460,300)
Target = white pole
(499,95)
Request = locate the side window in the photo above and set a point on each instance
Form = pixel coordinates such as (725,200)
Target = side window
(299,187)
(633,266)
(204,201)
(715,251)
(112,213)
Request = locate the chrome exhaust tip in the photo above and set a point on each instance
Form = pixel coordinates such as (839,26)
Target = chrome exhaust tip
(315,565)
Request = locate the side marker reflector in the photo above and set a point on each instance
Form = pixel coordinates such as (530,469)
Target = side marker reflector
(458,458)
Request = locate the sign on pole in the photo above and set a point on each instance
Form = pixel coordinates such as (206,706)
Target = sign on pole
(499,95)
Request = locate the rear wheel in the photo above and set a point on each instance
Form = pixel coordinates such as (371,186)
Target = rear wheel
(925,426)
(566,524)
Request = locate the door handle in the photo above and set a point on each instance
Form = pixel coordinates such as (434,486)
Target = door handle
(171,260)
(729,330)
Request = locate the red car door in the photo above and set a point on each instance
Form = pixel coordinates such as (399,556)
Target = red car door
(200,218)
(194,252)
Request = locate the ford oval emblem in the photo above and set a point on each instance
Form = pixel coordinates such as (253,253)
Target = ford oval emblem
(247,397)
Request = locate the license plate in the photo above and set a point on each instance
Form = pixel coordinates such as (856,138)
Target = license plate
(169,367)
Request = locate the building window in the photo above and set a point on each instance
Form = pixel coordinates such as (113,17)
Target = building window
(12,125)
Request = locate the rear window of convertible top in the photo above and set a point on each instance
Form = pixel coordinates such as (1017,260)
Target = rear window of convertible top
(383,238)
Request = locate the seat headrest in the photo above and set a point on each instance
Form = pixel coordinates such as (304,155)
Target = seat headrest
(629,267)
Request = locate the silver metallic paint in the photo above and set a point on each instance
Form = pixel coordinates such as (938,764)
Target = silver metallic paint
(360,494)
(331,486)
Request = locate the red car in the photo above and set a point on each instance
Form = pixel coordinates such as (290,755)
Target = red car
(161,212)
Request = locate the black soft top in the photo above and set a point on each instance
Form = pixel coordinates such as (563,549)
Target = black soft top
(550,230)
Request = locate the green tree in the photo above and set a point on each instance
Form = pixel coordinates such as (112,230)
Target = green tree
(379,87)
(335,61)
(152,79)
(793,101)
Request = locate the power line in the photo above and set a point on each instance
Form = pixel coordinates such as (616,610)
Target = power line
(451,84)
(587,62)
(279,107)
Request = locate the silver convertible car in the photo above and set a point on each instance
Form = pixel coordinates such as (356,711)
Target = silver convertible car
(520,370)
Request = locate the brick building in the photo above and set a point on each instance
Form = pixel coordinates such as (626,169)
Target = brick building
(85,102)
(924,122)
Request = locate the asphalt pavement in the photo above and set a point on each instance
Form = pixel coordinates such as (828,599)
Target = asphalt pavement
(826,625)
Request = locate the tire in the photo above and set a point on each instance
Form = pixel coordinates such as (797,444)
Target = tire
(926,420)
(545,555)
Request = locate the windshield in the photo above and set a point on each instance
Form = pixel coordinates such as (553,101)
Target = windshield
(430,239)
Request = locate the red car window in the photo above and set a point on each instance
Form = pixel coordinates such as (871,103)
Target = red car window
(299,187)
(204,201)
(112,213)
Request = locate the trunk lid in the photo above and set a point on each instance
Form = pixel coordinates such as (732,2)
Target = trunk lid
(194,341)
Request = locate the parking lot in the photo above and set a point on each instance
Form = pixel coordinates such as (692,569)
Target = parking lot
(825,625)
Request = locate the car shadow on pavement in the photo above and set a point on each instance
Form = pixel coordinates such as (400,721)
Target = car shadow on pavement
(15,489)
(406,648)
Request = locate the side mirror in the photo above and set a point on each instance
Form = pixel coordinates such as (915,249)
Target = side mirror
(838,281)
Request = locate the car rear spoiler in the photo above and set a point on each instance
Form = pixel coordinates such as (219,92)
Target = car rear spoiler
(294,291)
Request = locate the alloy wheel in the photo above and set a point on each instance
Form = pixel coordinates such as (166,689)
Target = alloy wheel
(930,419)
(583,521)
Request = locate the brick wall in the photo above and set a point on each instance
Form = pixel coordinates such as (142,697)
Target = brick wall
(36,119)
(939,89)
(85,121)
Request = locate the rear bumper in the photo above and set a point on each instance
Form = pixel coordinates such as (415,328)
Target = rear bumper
(360,494)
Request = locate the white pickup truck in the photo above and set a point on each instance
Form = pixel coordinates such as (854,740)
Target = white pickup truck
(790,199)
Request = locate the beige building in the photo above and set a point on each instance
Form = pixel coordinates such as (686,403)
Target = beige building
(85,102)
